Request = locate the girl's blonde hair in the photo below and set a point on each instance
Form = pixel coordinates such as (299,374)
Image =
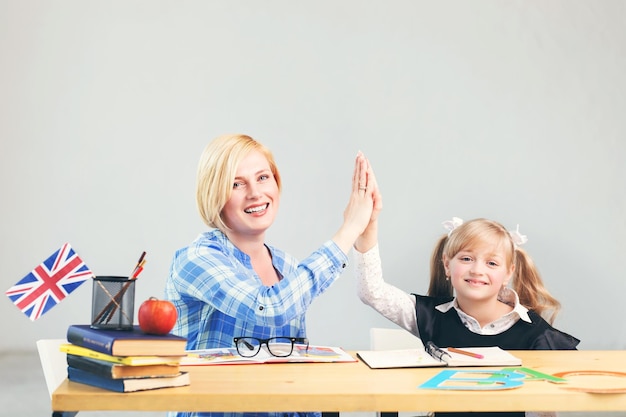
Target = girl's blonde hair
(526,280)
(216,174)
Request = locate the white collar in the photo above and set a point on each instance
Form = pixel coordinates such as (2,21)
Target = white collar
(509,296)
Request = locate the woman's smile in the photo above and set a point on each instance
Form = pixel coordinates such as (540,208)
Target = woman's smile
(257,209)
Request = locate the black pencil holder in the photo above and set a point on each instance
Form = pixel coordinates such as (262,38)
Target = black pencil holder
(113,303)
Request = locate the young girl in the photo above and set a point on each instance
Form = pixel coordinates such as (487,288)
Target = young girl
(228,282)
(499,298)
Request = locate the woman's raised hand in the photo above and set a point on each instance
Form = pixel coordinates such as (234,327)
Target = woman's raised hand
(369,237)
(361,207)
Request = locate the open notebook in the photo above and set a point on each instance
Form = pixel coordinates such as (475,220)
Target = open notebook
(301,353)
(432,356)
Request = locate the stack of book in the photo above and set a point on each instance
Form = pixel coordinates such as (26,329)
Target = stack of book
(124,360)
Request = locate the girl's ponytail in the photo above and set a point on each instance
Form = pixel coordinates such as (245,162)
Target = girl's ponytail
(529,286)
(439,286)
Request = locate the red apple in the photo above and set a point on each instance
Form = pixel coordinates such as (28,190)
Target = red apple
(157,316)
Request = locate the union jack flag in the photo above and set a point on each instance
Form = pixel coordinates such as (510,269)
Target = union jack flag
(49,283)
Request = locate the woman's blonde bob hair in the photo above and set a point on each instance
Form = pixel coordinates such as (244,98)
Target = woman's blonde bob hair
(216,174)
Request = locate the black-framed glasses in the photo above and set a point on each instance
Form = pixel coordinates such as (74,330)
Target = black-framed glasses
(281,346)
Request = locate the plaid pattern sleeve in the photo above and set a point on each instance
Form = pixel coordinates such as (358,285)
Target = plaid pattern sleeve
(219,296)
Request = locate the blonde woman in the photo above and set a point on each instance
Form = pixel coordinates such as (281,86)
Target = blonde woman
(229,283)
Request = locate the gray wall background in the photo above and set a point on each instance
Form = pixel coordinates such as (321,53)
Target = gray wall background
(507,110)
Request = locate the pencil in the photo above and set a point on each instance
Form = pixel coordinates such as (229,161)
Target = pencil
(109,310)
(465,352)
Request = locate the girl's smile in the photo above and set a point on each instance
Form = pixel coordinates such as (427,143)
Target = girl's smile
(476,282)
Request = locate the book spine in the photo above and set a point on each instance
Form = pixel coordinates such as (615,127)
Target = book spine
(100,342)
(83,377)
(101,368)
(81,351)
(120,360)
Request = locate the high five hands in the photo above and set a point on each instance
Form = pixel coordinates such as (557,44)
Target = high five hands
(365,203)
(369,237)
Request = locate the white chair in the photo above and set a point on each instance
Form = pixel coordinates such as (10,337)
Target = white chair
(54,365)
(390,339)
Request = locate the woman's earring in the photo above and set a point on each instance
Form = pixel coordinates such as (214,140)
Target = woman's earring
(447,278)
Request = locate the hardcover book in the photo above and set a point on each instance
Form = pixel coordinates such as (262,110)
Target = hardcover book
(224,356)
(119,371)
(123,360)
(126,342)
(424,357)
(128,384)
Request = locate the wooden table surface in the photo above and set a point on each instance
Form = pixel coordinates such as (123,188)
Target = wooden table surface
(355,387)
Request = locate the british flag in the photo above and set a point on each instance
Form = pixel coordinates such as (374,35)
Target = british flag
(49,283)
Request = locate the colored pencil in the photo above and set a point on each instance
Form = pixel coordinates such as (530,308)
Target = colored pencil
(465,352)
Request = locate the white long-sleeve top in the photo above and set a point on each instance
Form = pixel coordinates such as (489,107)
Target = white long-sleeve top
(399,306)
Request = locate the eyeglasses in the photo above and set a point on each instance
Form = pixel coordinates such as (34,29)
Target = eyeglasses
(276,346)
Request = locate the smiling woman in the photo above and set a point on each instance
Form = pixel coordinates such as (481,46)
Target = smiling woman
(229,284)
(252,205)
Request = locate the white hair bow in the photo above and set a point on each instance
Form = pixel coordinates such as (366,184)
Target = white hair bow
(450,225)
(518,238)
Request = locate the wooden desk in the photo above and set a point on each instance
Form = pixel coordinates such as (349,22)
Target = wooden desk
(354,387)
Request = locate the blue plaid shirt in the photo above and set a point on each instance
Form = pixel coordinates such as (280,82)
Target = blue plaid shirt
(219,296)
